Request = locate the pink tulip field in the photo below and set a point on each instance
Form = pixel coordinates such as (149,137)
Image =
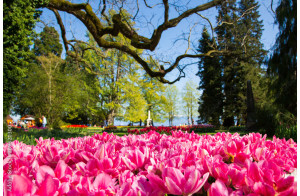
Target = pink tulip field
(152,164)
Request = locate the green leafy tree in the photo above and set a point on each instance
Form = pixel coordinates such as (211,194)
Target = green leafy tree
(88,103)
(153,91)
(19,18)
(112,69)
(189,100)
(85,108)
(135,104)
(108,73)
(210,73)
(282,65)
(46,90)
(115,69)
(171,106)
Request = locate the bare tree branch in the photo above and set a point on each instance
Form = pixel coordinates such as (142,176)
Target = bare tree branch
(166,4)
(138,9)
(84,12)
(103,12)
(62,28)
(189,39)
(246,12)
(272,7)
(211,27)
(148,5)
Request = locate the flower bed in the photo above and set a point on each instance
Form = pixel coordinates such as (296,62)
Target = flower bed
(110,129)
(153,164)
(159,129)
(38,128)
(75,126)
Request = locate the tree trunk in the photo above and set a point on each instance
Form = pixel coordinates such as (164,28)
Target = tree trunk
(111,117)
(250,107)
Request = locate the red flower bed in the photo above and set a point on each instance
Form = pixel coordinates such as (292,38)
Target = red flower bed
(76,126)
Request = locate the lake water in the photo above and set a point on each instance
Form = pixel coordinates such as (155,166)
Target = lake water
(176,122)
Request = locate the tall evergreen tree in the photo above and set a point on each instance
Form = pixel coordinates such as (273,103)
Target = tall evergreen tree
(253,54)
(226,34)
(47,42)
(240,31)
(282,65)
(210,103)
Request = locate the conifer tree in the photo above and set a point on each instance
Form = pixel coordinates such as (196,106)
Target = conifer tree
(210,102)
(282,65)
(226,34)
(240,30)
(253,54)
(47,42)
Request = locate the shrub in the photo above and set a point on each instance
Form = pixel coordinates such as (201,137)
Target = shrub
(287,132)
(203,128)
(237,128)
(110,129)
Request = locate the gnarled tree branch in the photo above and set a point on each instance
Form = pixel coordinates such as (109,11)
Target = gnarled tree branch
(98,29)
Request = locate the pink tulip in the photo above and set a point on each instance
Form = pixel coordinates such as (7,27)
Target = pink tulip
(20,185)
(62,171)
(263,189)
(218,188)
(187,184)
(134,159)
(104,182)
(285,184)
(48,186)
(218,169)
(42,172)
(152,164)
(157,183)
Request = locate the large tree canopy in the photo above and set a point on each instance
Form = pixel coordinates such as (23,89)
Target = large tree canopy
(101,24)
(19,19)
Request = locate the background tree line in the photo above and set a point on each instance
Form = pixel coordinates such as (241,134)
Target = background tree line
(273,77)
(68,91)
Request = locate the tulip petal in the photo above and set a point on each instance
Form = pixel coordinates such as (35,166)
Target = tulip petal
(157,183)
(218,188)
(48,187)
(103,181)
(20,186)
(285,183)
(175,174)
(172,187)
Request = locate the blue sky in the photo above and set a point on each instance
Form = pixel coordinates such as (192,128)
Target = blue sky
(167,49)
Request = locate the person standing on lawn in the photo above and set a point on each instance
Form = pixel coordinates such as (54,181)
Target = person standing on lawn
(44,121)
